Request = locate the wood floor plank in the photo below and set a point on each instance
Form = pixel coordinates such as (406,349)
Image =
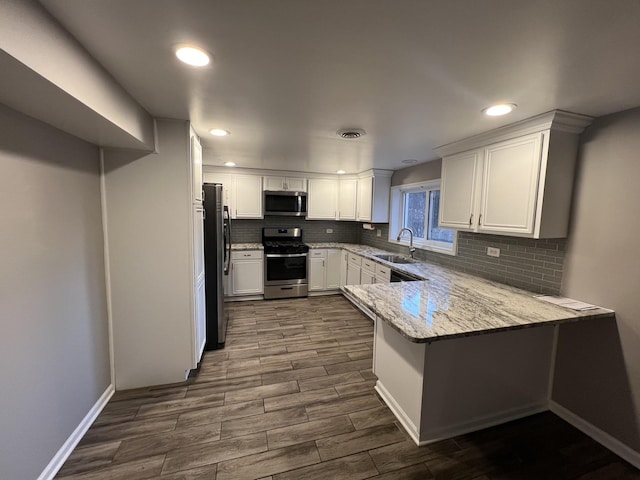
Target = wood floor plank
(352,366)
(269,463)
(304,432)
(355,389)
(214,452)
(141,469)
(372,417)
(182,405)
(404,454)
(342,406)
(121,431)
(298,374)
(263,422)
(330,381)
(165,442)
(358,441)
(89,458)
(321,361)
(303,398)
(264,391)
(415,472)
(208,472)
(220,414)
(353,467)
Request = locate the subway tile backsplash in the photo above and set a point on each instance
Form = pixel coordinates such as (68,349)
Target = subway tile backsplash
(534,265)
(250,231)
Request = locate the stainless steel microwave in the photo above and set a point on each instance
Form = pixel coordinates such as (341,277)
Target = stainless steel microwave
(285,203)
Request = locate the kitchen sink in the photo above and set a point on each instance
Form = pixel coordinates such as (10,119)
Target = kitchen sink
(395,258)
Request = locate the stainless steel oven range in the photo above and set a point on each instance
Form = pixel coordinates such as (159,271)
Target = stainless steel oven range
(285,263)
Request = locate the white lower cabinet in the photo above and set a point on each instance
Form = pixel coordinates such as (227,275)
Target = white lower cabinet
(332,281)
(317,269)
(368,272)
(324,269)
(354,263)
(247,272)
(383,274)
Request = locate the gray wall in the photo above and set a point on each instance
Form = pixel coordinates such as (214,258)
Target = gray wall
(417,173)
(54,350)
(598,369)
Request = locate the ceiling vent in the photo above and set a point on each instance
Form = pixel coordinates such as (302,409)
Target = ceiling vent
(351,132)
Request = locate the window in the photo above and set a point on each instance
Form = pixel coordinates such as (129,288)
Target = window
(416,206)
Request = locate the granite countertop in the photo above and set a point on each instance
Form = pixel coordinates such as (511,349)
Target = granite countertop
(450,304)
(246,246)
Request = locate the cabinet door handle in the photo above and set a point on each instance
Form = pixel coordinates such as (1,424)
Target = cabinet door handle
(480,220)
(470,219)
(322,263)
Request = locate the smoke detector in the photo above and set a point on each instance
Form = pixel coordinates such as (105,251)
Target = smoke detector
(351,132)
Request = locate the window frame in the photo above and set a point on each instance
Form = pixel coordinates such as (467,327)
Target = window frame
(396,218)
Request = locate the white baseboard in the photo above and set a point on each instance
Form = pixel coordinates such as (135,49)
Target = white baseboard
(397,410)
(600,436)
(482,422)
(61,456)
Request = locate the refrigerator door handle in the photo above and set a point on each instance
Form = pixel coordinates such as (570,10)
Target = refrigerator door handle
(227,247)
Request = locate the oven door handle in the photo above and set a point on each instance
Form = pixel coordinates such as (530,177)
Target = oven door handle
(285,255)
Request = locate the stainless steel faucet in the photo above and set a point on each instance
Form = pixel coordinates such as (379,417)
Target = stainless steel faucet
(411,247)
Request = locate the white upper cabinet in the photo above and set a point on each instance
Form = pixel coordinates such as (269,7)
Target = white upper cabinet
(459,187)
(248,196)
(292,184)
(510,185)
(196,168)
(347,198)
(373,190)
(322,199)
(516,180)
(241,193)
(365,199)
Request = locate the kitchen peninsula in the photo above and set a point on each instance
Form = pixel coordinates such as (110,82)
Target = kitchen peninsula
(456,353)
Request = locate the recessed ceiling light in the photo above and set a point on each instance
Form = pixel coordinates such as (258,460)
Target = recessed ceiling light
(499,109)
(218,132)
(229,164)
(410,161)
(196,57)
(351,132)
(341,172)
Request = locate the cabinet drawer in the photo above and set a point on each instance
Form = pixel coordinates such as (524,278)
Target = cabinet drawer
(318,253)
(355,259)
(382,270)
(246,254)
(369,265)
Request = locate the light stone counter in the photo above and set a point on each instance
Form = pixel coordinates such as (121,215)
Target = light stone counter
(246,246)
(451,304)
(440,389)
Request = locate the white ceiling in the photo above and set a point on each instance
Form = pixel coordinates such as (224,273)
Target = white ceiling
(413,73)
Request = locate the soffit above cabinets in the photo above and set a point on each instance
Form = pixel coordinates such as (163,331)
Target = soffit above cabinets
(286,75)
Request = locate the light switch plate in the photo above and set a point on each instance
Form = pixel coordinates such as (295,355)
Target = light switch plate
(378,233)
(493,251)
(329,230)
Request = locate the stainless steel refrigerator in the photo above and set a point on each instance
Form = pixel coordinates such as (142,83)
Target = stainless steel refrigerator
(217,255)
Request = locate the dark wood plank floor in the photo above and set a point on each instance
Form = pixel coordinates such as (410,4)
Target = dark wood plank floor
(291,397)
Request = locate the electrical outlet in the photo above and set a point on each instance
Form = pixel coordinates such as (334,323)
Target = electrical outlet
(329,230)
(493,252)
(378,233)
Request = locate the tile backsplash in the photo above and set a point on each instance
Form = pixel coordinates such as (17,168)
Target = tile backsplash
(534,265)
(250,231)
